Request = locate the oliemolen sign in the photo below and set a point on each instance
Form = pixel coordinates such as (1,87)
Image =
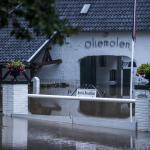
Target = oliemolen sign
(94,43)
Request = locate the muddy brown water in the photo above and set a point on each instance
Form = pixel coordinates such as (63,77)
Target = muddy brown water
(22,134)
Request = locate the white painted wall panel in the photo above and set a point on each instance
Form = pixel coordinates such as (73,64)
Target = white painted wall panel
(74,51)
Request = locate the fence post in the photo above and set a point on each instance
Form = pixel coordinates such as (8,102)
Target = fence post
(36,85)
(131,118)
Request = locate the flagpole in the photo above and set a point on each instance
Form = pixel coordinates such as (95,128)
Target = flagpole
(132,58)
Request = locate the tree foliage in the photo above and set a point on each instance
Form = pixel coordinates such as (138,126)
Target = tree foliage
(33,16)
(144,69)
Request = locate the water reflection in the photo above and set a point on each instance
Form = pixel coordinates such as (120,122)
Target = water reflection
(21,134)
(14,132)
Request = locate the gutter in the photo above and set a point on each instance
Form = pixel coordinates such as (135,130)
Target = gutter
(42,46)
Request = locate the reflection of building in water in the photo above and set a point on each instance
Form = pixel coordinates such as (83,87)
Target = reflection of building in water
(82,146)
(18,135)
(14,133)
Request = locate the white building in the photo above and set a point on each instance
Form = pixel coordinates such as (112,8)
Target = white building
(99,54)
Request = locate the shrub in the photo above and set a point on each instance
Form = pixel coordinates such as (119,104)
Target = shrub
(144,69)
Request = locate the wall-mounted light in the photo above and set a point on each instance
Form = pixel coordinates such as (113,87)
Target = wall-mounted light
(134,64)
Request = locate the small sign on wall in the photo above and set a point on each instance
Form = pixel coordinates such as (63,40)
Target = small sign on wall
(86,93)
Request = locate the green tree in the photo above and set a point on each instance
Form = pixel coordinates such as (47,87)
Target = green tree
(144,69)
(29,17)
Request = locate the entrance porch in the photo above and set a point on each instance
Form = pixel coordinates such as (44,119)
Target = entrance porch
(110,75)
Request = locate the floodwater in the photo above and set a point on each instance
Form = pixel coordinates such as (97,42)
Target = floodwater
(22,134)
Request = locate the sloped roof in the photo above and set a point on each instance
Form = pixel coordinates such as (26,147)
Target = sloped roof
(12,48)
(105,15)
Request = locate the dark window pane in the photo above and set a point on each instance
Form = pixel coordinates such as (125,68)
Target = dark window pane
(113,75)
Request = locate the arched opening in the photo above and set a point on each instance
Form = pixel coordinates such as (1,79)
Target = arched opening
(110,75)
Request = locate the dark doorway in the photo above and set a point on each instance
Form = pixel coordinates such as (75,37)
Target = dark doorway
(126,82)
(104,72)
(88,71)
(88,78)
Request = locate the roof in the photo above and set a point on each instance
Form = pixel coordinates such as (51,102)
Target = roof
(15,49)
(105,15)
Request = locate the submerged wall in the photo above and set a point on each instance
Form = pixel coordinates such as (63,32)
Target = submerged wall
(15,101)
(142,109)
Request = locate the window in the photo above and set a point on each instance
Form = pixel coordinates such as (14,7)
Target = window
(113,75)
(102,61)
(85,8)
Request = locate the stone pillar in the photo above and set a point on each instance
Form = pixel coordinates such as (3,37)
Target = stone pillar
(142,110)
(15,99)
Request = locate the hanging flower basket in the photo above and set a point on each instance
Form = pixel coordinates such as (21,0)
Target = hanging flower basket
(15,68)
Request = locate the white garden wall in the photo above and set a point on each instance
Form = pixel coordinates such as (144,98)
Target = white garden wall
(15,99)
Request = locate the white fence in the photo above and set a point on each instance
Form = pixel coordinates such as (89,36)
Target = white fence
(99,99)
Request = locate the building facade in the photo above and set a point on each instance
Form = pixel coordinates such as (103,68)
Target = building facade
(100,53)
(97,56)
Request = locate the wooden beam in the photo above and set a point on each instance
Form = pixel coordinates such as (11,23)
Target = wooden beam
(58,61)
(6,74)
(27,78)
(1,73)
(47,57)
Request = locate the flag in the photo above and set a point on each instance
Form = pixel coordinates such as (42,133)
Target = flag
(132,52)
(134,22)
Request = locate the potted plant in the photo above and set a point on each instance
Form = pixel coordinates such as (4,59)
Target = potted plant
(15,68)
(144,70)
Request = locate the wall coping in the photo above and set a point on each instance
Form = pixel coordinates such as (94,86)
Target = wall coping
(14,82)
(142,87)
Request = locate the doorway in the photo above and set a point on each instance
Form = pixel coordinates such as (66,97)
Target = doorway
(88,71)
(104,72)
(126,82)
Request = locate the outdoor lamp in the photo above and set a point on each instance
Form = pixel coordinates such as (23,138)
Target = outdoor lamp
(134,64)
